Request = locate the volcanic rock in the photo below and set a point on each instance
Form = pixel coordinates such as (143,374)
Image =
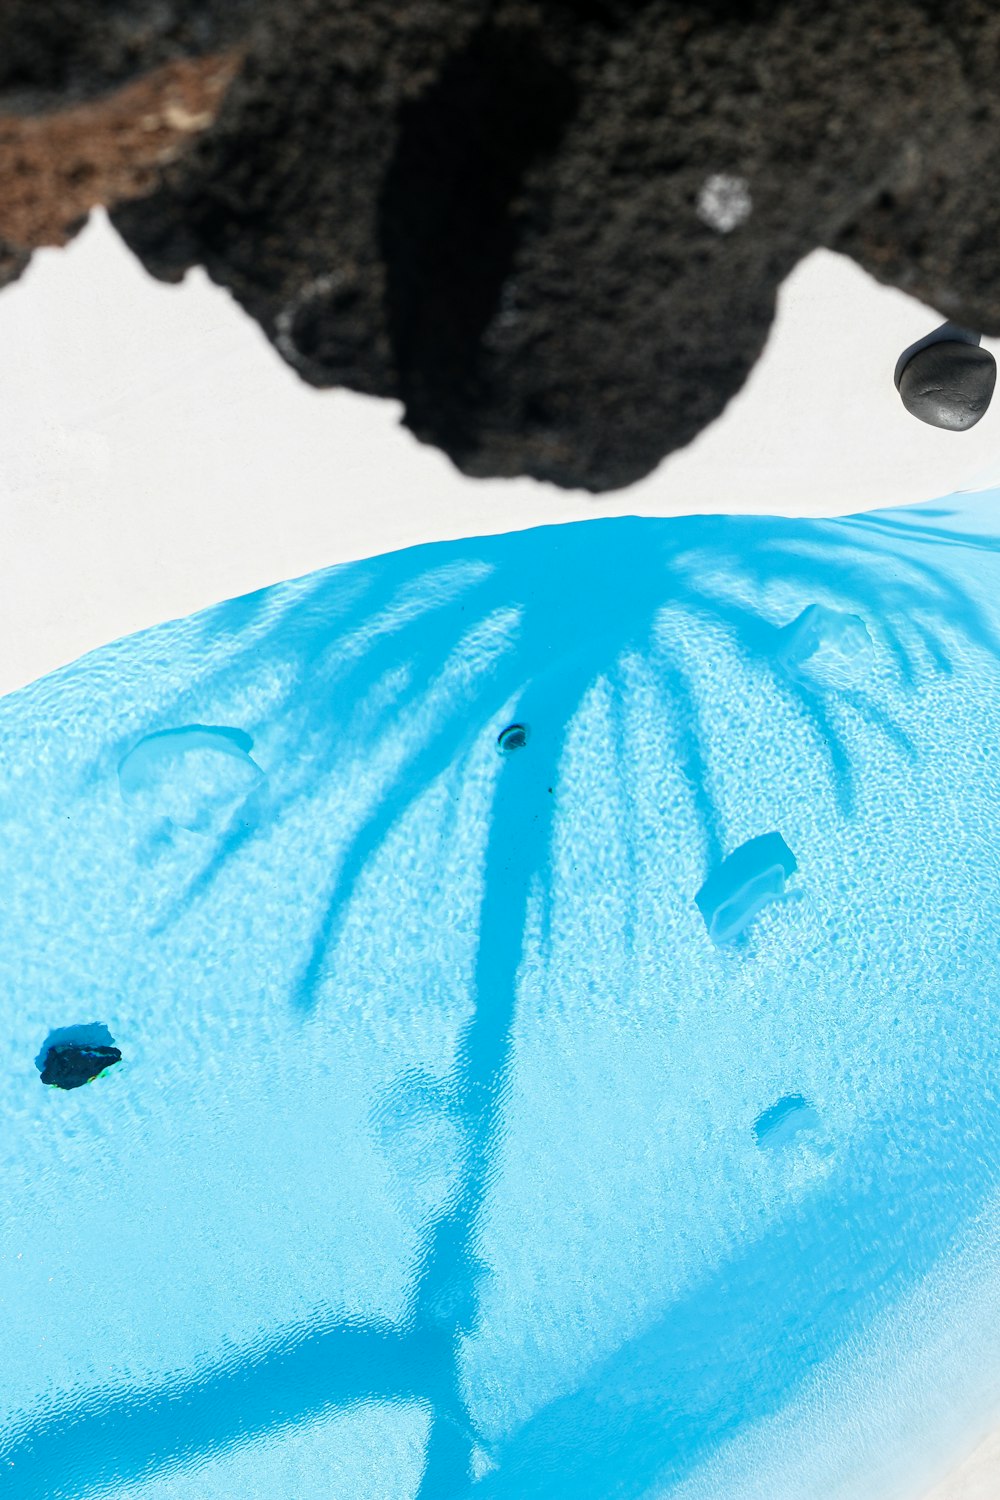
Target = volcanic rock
(554,231)
(55,53)
(73,1055)
(70,1064)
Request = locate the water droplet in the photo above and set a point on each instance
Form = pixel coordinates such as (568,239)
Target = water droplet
(827,647)
(196,776)
(780,1124)
(514,737)
(745,882)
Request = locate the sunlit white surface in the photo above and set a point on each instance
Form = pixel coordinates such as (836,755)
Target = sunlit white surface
(157,456)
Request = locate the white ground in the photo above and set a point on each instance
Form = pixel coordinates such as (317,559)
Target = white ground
(156,456)
(976,1478)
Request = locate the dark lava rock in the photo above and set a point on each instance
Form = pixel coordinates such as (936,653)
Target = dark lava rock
(70,1064)
(73,1055)
(555,229)
(949,384)
(57,52)
(13,262)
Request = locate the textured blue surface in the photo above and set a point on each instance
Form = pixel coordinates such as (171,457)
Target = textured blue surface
(440,1159)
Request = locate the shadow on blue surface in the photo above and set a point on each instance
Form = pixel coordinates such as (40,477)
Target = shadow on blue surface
(583,597)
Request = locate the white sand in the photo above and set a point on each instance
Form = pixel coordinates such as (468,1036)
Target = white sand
(156,456)
(976,1477)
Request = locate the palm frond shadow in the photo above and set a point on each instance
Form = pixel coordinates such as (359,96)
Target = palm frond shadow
(586,595)
(904,525)
(419,660)
(390,644)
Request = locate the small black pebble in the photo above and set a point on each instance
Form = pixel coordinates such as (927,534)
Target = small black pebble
(70,1064)
(514,737)
(949,384)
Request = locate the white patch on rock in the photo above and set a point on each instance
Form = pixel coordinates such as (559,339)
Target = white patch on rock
(724,202)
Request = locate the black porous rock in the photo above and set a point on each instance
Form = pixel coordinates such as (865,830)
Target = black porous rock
(73,1055)
(13,263)
(59,52)
(554,230)
(71,1064)
(495,213)
(949,384)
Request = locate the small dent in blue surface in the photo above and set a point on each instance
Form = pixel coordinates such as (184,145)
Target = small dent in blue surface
(827,647)
(196,776)
(74,1055)
(514,737)
(780,1124)
(737,889)
(420,1136)
(481,1463)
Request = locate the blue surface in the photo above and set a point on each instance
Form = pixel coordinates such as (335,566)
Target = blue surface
(443,1158)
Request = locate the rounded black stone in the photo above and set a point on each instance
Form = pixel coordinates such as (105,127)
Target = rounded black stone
(949,384)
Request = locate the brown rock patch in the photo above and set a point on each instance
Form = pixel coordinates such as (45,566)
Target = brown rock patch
(55,168)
